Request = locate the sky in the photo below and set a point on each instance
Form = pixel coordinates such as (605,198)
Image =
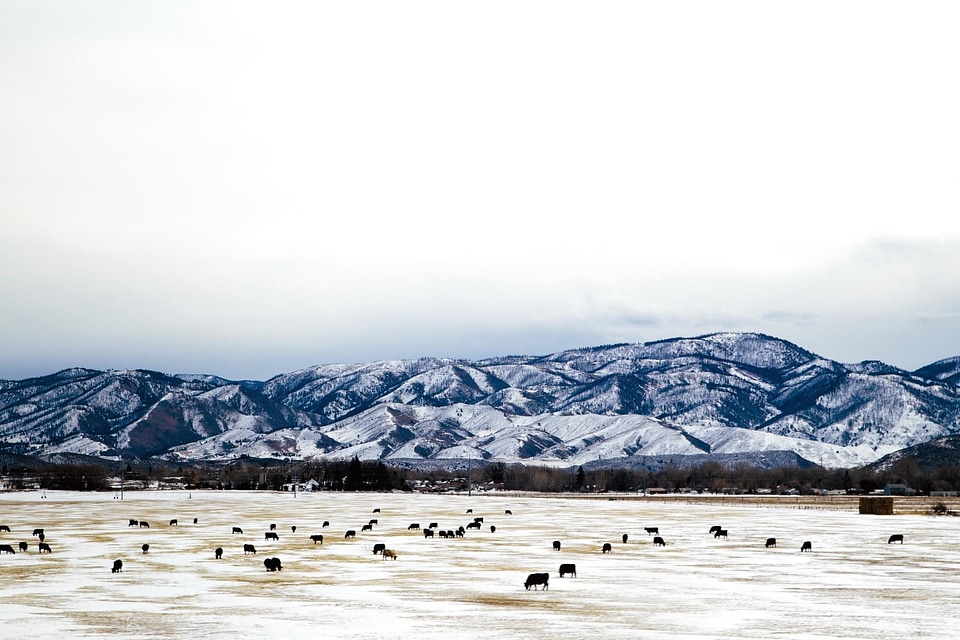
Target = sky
(246,189)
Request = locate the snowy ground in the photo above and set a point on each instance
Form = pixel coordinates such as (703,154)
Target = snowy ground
(853,585)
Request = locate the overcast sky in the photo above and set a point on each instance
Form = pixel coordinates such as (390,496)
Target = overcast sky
(246,189)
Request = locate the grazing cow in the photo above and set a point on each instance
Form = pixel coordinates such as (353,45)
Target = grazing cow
(715,528)
(652,530)
(428,533)
(771,542)
(508,512)
(433,525)
(658,542)
(442,533)
(537,578)
(41,537)
(624,538)
(568,568)
(6,548)
(366,527)
(721,533)
(249,548)
(897,537)
(413,525)
(37,532)
(326,523)
(4,527)
(451,534)
(173,522)
(459,532)
(273,527)
(473,525)
(237,530)
(117,566)
(134,523)
(317,538)
(378,548)
(293,529)
(23,546)
(556,545)
(144,524)
(376,510)
(806,546)
(350,534)
(388,553)
(373,521)
(272,564)
(270,535)
(218,553)
(493,529)
(607,548)
(478,519)
(469,510)
(145,548)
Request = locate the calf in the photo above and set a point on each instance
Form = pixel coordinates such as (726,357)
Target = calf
(317,538)
(117,566)
(428,533)
(273,527)
(897,537)
(720,533)
(806,546)
(624,538)
(771,542)
(37,532)
(556,545)
(508,512)
(568,568)
(388,553)
(173,522)
(293,529)
(41,537)
(145,548)
(607,548)
(195,521)
(134,523)
(469,510)
(218,553)
(237,530)
(658,542)
(270,535)
(378,548)
(6,548)
(326,523)
(652,530)
(350,534)
(144,524)
(413,525)
(433,525)
(493,529)
(249,548)
(537,578)
(23,546)
(272,564)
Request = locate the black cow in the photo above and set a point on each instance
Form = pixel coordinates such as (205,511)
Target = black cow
(293,529)
(459,532)
(374,521)
(473,525)
(715,528)
(145,548)
(350,534)
(195,521)
(537,578)
(508,512)
(493,529)
(317,538)
(173,522)
(376,510)
(24,546)
(428,533)
(273,527)
(249,548)
(41,537)
(413,525)
(326,523)
(568,568)
(117,566)
(144,524)
(37,532)
(607,548)
(556,545)
(378,548)
(134,523)
(451,534)
(6,548)
(442,533)
(806,546)
(366,527)
(897,537)
(218,553)
(270,535)
(469,510)
(4,527)
(433,525)
(771,542)
(272,564)
(721,533)
(478,519)
(624,538)
(652,530)
(658,542)
(237,530)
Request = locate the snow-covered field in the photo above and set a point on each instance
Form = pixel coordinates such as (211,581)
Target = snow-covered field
(853,585)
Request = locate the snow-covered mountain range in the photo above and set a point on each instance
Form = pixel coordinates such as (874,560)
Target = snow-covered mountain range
(728,396)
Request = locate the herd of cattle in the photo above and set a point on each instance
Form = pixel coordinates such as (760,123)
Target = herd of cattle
(271,564)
